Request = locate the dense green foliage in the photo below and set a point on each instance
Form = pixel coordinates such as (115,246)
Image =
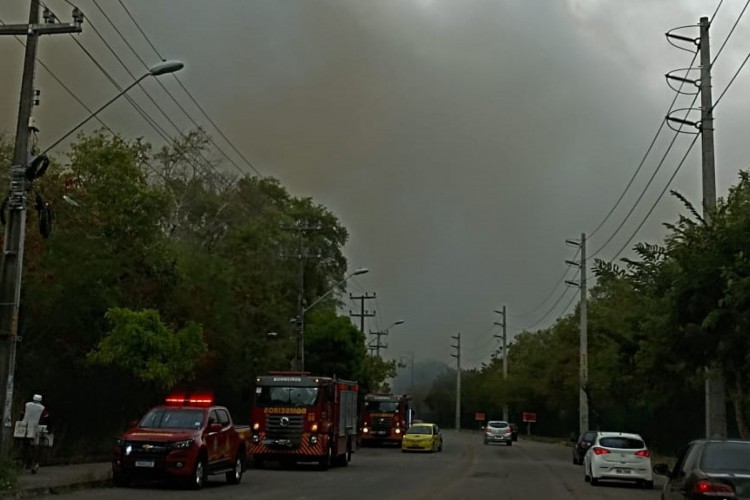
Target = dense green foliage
(161,274)
(654,323)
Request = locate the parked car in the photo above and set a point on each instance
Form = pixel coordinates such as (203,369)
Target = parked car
(582,444)
(514,428)
(709,469)
(424,437)
(498,431)
(618,456)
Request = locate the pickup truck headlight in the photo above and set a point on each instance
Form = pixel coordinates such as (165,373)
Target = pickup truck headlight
(182,445)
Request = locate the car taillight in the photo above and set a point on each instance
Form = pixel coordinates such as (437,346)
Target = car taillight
(600,451)
(508,430)
(707,486)
(643,453)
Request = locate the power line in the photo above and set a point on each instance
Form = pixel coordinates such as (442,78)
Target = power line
(736,74)
(190,95)
(165,89)
(657,200)
(653,141)
(552,291)
(552,308)
(729,35)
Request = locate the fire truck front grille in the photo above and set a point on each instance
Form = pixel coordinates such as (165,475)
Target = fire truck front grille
(285,427)
(382,424)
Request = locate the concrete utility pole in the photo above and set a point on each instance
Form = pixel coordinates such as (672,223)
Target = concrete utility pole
(363,313)
(504,338)
(377,346)
(716,416)
(300,228)
(457,347)
(384,332)
(15,230)
(583,399)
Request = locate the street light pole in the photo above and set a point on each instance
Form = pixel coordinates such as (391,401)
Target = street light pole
(301,319)
(15,230)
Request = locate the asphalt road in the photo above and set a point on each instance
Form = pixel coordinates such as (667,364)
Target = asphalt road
(466,469)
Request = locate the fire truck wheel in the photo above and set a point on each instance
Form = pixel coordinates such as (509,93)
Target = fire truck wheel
(343,460)
(235,475)
(198,478)
(325,461)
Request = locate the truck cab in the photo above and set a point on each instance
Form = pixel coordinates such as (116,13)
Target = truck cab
(385,418)
(187,439)
(300,417)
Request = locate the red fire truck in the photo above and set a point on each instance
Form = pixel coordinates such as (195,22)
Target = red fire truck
(303,418)
(385,418)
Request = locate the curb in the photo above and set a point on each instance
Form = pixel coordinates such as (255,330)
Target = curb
(57,490)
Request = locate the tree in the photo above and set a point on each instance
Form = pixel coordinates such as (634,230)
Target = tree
(141,344)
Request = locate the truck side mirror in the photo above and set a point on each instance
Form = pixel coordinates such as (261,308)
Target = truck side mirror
(132,423)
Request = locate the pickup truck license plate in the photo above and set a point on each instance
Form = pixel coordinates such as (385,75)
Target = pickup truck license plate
(144,463)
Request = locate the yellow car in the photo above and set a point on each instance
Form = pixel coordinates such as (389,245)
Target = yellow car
(422,437)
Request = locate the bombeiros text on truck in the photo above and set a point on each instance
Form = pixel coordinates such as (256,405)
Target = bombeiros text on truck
(298,417)
(186,439)
(385,418)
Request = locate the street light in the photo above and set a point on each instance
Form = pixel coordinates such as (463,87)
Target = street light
(380,333)
(300,357)
(162,68)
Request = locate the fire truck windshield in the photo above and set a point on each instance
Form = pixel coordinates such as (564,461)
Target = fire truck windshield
(382,406)
(286,396)
(173,418)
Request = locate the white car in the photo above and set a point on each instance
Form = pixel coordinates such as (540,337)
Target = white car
(618,456)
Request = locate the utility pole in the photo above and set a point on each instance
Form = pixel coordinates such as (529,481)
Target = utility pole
(457,347)
(715,392)
(583,398)
(716,416)
(378,345)
(300,228)
(363,313)
(504,338)
(15,231)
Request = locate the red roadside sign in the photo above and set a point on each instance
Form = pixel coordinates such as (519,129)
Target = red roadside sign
(479,416)
(529,417)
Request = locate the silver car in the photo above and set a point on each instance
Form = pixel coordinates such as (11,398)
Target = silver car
(498,431)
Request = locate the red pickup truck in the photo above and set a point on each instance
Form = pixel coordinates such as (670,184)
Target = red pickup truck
(186,439)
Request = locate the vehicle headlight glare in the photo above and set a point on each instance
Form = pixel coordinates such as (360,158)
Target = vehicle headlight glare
(128,449)
(365,430)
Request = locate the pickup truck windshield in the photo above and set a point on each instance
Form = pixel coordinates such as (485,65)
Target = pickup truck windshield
(382,406)
(173,418)
(285,396)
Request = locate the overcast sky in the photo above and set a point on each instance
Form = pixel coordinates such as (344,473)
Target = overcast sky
(460,141)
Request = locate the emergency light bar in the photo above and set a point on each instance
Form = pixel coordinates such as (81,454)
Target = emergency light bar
(184,400)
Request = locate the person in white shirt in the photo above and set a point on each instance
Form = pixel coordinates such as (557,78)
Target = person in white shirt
(34,415)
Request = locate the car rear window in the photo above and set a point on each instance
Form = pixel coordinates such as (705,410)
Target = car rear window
(498,425)
(726,457)
(623,443)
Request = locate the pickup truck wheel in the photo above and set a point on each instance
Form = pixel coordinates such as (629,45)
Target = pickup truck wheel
(198,478)
(121,479)
(235,475)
